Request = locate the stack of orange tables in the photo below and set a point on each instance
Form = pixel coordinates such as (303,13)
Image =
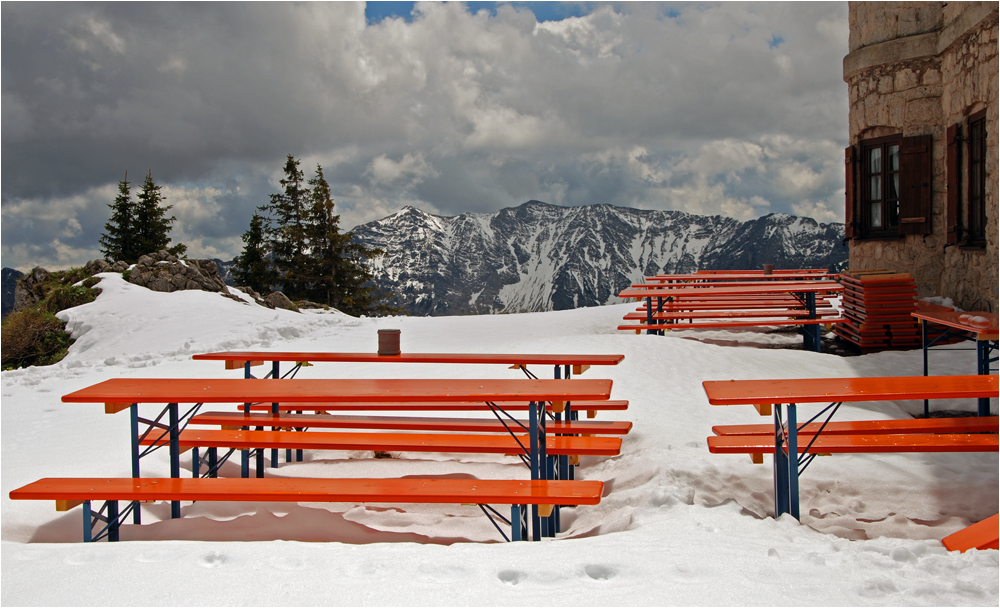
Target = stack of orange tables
(878,306)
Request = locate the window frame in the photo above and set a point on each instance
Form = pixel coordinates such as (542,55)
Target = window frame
(973,222)
(888,228)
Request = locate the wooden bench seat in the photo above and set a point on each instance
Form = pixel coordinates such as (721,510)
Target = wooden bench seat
(911,425)
(68,493)
(981,535)
(456,406)
(859,443)
(730,324)
(726,314)
(409,423)
(389,442)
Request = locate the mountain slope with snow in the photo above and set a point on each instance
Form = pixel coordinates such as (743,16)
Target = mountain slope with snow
(539,257)
(677,525)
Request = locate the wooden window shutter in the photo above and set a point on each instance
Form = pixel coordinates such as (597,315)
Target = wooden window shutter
(953,178)
(850,211)
(915,185)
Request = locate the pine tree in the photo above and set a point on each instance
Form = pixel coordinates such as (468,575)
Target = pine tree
(252,268)
(118,240)
(326,244)
(287,237)
(151,229)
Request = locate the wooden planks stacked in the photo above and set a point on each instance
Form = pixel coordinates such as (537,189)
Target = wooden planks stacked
(878,306)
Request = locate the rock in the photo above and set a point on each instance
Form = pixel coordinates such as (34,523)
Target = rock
(162,271)
(276,299)
(119,266)
(28,290)
(96,267)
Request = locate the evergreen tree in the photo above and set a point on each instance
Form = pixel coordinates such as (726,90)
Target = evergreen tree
(151,229)
(338,273)
(252,268)
(118,240)
(326,243)
(287,236)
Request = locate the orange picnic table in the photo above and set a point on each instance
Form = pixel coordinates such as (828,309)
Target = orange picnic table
(983,328)
(126,393)
(765,394)
(803,290)
(564,365)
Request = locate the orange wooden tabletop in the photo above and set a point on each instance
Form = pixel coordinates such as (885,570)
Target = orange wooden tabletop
(816,390)
(276,489)
(720,289)
(314,357)
(779,276)
(184,390)
(977,322)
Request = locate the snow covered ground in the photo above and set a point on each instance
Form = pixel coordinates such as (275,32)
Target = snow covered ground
(678,526)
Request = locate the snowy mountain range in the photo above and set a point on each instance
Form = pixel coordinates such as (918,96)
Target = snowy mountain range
(538,257)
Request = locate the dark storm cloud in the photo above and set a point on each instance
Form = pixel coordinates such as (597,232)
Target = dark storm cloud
(735,109)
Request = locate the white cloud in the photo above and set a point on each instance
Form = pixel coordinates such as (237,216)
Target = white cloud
(408,171)
(716,108)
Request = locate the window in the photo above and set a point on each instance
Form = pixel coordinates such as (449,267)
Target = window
(976,217)
(881,185)
(966,169)
(888,187)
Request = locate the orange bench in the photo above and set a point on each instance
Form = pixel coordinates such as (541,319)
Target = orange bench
(591,407)
(980,535)
(730,324)
(874,427)
(389,442)
(404,423)
(784,440)
(68,493)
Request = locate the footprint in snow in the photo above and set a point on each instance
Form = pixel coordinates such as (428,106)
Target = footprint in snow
(512,577)
(600,572)
(213,560)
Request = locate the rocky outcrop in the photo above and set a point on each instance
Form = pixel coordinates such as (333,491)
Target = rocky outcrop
(162,271)
(277,299)
(28,291)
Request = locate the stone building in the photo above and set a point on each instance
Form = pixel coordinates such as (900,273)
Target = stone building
(922,180)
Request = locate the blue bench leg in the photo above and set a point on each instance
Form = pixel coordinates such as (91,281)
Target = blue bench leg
(244,463)
(134,421)
(983,363)
(88,523)
(518,522)
(175,454)
(780,467)
(113,524)
(793,462)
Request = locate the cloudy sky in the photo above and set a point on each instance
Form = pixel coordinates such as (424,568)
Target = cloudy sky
(732,109)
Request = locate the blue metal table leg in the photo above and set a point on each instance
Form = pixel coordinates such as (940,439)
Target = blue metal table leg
(793,462)
(659,308)
(780,466)
(175,455)
(275,375)
(195,463)
(113,523)
(88,522)
(649,315)
(134,422)
(983,365)
(923,343)
(535,463)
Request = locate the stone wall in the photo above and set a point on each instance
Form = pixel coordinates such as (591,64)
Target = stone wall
(915,68)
